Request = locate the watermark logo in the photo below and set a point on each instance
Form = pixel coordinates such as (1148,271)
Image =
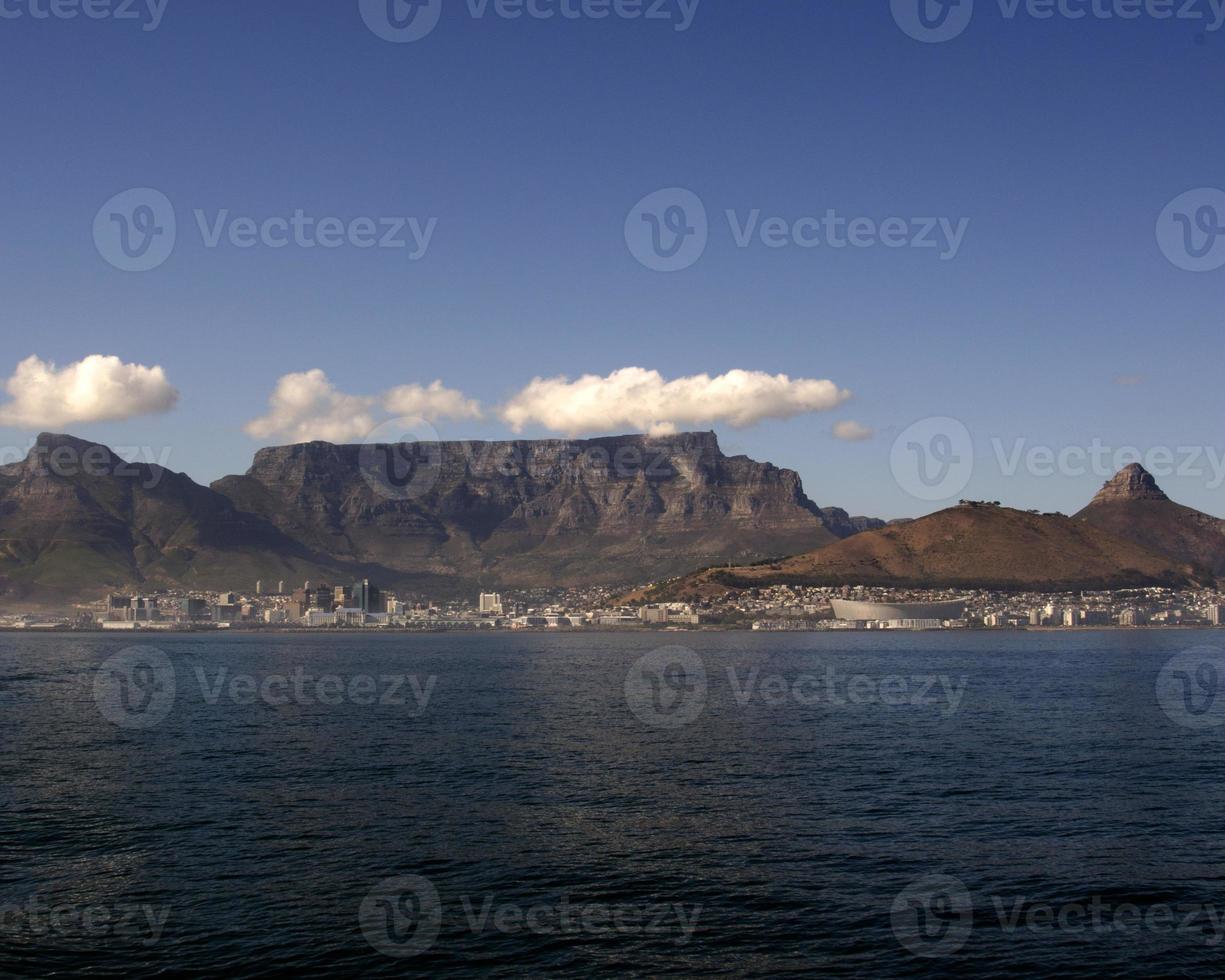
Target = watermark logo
(401,917)
(135,688)
(1191,230)
(667,687)
(933,21)
(667,231)
(1189,688)
(401,459)
(401,21)
(933,459)
(135,230)
(933,917)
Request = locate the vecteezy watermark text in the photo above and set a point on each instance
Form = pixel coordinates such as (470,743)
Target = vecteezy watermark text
(137,230)
(668,230)
(934,459)
(137,688)
(39,919)
(405,21)
(147,464)
(402,917)
(148,12)
(669,688)
(934,917)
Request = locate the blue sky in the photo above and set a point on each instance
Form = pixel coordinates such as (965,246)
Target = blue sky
(1059,141)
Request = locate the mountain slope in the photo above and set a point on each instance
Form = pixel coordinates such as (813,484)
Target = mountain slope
(972,545)
(77,519)
(1132,506)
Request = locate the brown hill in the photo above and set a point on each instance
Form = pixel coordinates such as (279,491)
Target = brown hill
(969,546)
(1133,507)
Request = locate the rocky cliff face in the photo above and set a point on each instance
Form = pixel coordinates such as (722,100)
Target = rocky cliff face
(551,512)
(843,525)
(1133,482)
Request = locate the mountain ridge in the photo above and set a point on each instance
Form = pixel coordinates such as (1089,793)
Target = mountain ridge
(76,518)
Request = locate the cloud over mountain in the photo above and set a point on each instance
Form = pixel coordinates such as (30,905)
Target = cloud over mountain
(306,406)
(97,388)
(434,402)
(642,400)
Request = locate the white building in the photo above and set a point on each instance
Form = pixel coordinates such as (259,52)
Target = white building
(491,604)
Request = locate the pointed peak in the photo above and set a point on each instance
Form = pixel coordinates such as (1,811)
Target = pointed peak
(65,454)
(1132,482)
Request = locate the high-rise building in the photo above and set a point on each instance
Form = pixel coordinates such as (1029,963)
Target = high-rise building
(259,586)
(491,604)
(342,597)
(194,608)
(280,587)
(323,598)
(1216,615)
(367,597)
(117,607)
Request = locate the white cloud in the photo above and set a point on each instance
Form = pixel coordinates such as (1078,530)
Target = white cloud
(96,388)
(638,399)
(852,431)
(434,402)
(306,407)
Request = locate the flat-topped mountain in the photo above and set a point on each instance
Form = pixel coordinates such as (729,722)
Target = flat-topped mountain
(969,546)
(76,520)
(533,513)
(1132,506)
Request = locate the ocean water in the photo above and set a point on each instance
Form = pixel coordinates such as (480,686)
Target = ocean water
(985,804)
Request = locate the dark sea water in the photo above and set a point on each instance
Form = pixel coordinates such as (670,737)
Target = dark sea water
(557,805)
